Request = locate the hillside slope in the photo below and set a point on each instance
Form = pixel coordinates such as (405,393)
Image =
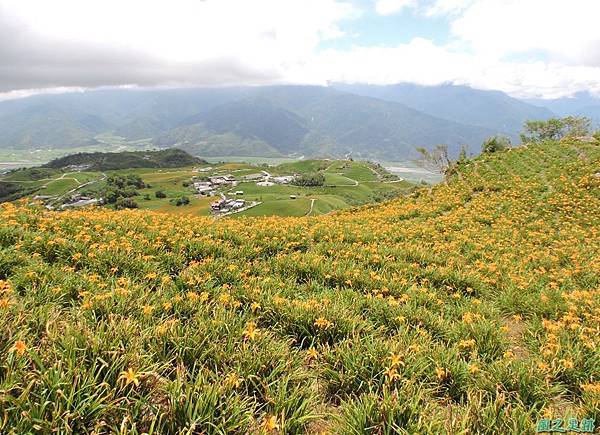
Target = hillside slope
(318,121)
(473,306)
(494,110)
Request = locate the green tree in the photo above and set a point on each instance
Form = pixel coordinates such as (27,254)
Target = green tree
(539,131)
(311,179)
(495,143)
(555,128)
(577,126)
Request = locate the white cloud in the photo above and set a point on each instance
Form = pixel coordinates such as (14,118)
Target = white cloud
(446,7)
(421,61)
(524,47)
(388,7)
(562,31)
(153,42)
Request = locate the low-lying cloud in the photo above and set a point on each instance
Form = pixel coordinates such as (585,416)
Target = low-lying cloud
(494,44)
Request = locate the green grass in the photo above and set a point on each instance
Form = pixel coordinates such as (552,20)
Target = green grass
(359,171)
(302,166)
(340,180)
(58,187)
(171,181)
(469,308)
(328,203)
(283,207)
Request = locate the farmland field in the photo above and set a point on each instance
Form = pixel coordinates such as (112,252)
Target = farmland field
(469,307)
(368,186)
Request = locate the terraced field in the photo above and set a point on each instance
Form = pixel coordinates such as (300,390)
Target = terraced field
(471,307)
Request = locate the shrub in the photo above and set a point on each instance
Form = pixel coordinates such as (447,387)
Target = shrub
(123,203)
(311,179)
(182,200)
(495,143)
(160,194)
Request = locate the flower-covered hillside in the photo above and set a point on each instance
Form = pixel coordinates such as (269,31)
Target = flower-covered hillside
(473,307)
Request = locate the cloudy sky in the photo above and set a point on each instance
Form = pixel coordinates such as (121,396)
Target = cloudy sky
(528,48)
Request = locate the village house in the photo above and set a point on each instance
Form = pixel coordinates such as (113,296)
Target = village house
(222,180)
(80,201)
(226,205)
(204,188)
(283,179)
(254,177)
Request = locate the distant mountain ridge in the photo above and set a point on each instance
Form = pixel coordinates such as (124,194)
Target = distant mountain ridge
(383,122)
(493,110)
(318,122)
(580,104)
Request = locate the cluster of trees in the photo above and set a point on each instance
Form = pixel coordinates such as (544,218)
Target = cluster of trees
(556,129)
(170,158)
(123,181)
(310,179)
(182,200)
(121,189)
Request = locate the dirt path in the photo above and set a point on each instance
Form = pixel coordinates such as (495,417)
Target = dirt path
(515,328)
(312,205)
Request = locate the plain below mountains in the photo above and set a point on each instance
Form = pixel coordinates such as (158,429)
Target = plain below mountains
(383,122)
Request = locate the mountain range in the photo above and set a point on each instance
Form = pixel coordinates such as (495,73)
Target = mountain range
(364,121)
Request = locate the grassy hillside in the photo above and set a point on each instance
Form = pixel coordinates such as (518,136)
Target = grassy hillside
(473,307)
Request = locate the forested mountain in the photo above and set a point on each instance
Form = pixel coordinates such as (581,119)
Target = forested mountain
(317,121)
(494,110)
(386,122)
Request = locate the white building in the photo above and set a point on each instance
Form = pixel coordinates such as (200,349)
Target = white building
(284,179)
